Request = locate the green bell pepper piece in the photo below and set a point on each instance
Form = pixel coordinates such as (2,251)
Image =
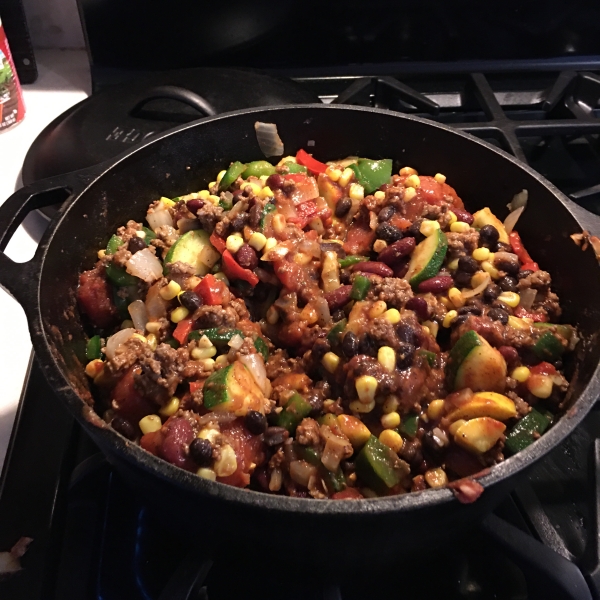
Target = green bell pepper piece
(92,350)
(172,342)
(409,425)
(150,235)
(295,409)
(374,173)
(565,331)
(225,205)
(335,333)
(113,244)
(526,431)
(121,305)
(262,348)
(258,168)
(429,356)
(232,173)
(268,208)
(218,336)
(120,277)
(309,454)
(295,167)
(351,260)
(375,465)
(360,288)
(548,347)
(335,481)
(327,419)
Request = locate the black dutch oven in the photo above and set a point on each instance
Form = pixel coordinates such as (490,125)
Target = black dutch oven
(183,159)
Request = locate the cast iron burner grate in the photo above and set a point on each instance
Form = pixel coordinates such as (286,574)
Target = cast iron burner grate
(93,539)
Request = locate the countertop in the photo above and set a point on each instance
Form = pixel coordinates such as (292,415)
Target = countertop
(64,80)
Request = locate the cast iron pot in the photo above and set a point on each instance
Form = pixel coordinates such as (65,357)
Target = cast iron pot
(183,159)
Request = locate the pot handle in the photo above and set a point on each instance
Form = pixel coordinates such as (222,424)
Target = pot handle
(20,279)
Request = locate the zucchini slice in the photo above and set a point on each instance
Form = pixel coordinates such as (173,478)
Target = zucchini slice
(194,248)
(483,369)
(427,258)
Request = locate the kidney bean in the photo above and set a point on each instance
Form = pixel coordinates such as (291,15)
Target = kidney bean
(338,298)
(194,205)
(419,306)
(510,354)
(275,182)
(436,285)
(378,268)
(401,269)
(179,435)
(246,257)
(392,254)
(255,215)
(463,215)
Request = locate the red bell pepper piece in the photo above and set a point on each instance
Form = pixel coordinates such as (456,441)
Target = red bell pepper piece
(211,289)
(517,245)
(544,368)
(537,317)
(217,242)
(233,270)
(306,211)
(196,385)
(182,330)
(312,164)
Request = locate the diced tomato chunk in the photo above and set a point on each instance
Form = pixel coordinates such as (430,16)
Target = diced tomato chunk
(543,368)
(218,242)
(349,493)
(359,239)
(94,298)
(127,401)
(248,450)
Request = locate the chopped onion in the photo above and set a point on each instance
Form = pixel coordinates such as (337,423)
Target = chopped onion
(311,247)
(513,217)
(527,298)
(479,289)
(114,341)
(333,454)
(145,265)
(322,309)
(268,139)
(236,342)
(9,565)
(158,216)
(185,225)
(519,200)
(156,307)
(139,314)
(255,364)
(301,472)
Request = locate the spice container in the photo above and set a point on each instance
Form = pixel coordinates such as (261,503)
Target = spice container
(12,108)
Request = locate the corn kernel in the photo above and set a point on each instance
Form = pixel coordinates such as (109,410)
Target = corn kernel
(222,361)
(366,386)
(167,202)
(212,185)
(459,227)
(406,171)
(453,264)
(446,302)
(490,269)
(387,358)
(354,429)
(346,177)
(179,314)
(272,315)
(94,367)
(361,407)
(481,254)
(412,181)
(221,175)
(214,199)
(517,323)
(454,427)
(222,277)
(203,194)
(435,409)
(266,192)
(140,337)
(511,299)
(206,473)
(453,217)
(429,227)
(449,318)
(333,173)
(170,408)
(521,374)
(379,195)
(379,245)
(409,194)
(127,324)
(330,361)
(392,315)
(356,192)
(540,386)
(234,242)
(270,244)
(257,241)
(278,223)
(227,463)
(263,179)
(391,404)
(392,439)
(432,326)
(170,290)
(101,254)
(440,178)
(202,353)
(377,309)
(456,297)
(256,189)
(436,478)
(390,420)
(209,433)
(309,314)
(204,342)
(208,364)
(152,341)
(150,424)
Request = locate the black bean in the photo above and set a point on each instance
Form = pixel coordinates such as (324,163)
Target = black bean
(275,436)
(320,348)
(414,231)
(491,292)
(255,215)
(497,314)
(460,319)
(201,452)
(367,345)
(502,247)
(190,300)
(124,427)
(462,279)
(434,442)
(238,222)
(469,310)
(388,232)
(468,264)
(255,422)
(508,284)
(135,244)
(342,207)
(315,399)
(385,214)
(524,274)
(488,234)
(338,315)
(404,355)
(509,266)
(246,257)
(349,344)
(406,333)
